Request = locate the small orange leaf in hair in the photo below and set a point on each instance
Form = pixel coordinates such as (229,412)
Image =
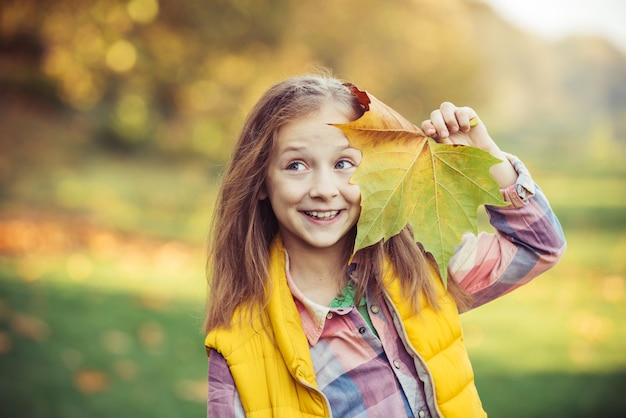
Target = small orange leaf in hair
(361,96)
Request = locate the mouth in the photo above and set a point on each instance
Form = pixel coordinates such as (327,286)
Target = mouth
(324,215)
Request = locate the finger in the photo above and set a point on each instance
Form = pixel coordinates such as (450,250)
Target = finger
(428,128)
(439,124)
(464,116)
(449,113)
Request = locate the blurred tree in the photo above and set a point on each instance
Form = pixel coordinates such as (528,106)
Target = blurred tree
(169,74)
(603,90)
(178,77)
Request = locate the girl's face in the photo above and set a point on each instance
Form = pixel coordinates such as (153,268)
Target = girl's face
(308,182)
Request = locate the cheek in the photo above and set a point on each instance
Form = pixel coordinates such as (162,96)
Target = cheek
(353,194)
(287,192)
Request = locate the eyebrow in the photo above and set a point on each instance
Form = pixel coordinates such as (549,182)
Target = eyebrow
(293,148)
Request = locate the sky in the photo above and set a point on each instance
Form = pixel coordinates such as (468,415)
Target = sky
(556,19)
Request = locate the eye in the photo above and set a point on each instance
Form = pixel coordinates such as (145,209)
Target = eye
(344,164)
(296,166)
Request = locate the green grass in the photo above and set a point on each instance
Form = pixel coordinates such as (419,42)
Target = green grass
(546,395)
(74,351)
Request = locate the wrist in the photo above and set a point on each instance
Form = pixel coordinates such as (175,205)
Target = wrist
(503,172)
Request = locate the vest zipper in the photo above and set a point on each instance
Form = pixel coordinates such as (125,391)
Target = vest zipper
(413,352)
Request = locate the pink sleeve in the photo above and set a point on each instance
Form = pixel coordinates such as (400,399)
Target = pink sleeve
(223,399)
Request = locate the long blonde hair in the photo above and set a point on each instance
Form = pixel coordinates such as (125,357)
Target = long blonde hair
(244,226)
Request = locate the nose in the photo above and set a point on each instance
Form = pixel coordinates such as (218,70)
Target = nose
(324,185)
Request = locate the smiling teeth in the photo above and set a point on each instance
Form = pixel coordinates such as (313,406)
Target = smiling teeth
(323,215)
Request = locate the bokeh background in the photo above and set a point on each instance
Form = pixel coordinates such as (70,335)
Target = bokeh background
(116,119)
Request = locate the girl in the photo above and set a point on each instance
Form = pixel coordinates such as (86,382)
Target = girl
(292,330)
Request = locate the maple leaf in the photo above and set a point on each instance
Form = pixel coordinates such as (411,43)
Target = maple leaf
(407,178)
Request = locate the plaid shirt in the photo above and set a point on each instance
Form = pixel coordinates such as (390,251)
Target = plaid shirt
(348,355)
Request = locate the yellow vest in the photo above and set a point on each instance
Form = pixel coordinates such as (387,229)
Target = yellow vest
(271,365)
